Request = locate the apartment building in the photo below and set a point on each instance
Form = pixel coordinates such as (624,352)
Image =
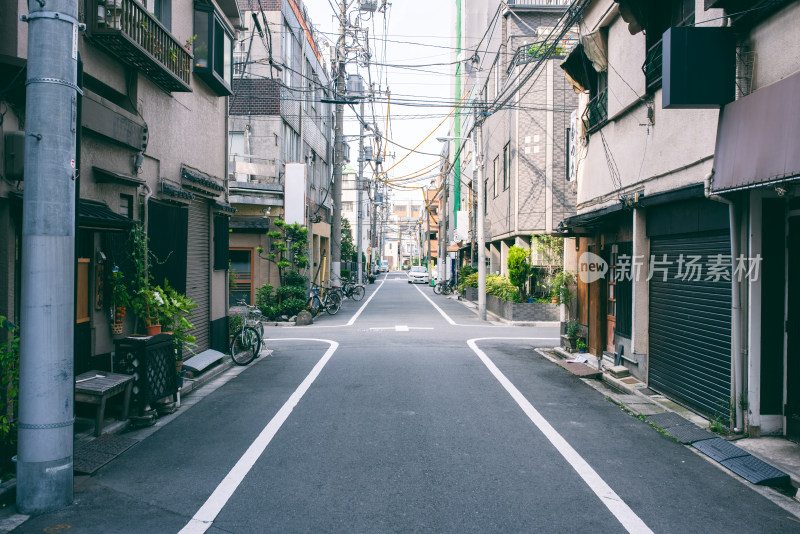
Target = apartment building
(151,135)
(277,119)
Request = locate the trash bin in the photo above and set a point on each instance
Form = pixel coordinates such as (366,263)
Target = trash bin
(151,361)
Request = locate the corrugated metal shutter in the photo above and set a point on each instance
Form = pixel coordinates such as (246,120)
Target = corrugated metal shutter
(690,326)
(198,269)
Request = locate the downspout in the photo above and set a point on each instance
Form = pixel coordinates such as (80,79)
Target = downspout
(736,309)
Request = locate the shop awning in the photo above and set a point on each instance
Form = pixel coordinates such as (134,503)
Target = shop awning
(757,138)
(97,216)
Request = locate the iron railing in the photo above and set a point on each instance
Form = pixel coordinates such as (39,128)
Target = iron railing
(127,30)
(596,112)
(652,66)
(539,2)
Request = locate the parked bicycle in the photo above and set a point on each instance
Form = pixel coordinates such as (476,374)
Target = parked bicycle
(445,287)
(353,291)
(322,299)
(246,342)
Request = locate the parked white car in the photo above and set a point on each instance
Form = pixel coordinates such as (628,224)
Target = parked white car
(418,274)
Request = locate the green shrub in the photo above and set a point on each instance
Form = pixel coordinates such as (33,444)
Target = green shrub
(285,293)
(468,281)
(265,297)
(500,287)
(292,306)
(465,271)
(234,323)
(518,267)
(344,274)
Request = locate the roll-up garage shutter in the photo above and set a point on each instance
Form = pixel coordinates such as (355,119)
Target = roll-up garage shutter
(198,270)
(690,324)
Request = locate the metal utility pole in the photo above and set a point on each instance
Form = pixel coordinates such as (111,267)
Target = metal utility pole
(336,193)
(428,229)
(480,219)
(46,411)
(359,188)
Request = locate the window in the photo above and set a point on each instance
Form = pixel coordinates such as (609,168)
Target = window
(495,172)
(288,49)
(126,206)
(347,206)
(661,16)
(213,49)
(162,10)
(241,273)
(506,165)
(236,153)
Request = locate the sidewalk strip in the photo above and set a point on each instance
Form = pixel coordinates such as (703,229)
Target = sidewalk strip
(207,513)
(607,496)
(449,320)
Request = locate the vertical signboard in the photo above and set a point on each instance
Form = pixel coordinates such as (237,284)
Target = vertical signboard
(572,146)
(294,193)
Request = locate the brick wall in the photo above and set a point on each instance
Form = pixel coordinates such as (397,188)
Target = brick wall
(256,96)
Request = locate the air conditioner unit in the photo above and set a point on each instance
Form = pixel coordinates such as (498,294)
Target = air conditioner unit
(368,5)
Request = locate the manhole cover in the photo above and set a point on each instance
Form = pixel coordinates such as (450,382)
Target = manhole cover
(91,456)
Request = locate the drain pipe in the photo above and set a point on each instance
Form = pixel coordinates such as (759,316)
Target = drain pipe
(736,309)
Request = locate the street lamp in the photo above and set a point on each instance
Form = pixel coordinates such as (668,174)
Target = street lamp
(479,220)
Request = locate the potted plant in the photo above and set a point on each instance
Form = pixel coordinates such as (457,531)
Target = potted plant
(561,287)
(119,300)
(174,319)
(571,330)
(581,346)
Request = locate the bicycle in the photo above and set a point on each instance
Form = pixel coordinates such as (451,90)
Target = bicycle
(445,287)
(246,342)
(325,300)
(353,291)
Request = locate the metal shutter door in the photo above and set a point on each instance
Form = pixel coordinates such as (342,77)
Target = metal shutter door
(198,271)
(690,327)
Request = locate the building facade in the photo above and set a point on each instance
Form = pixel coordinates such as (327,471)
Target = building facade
(277,118)
(151,150)
(667,202)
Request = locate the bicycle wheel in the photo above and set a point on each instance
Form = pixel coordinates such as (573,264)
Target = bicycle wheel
(333,303)
(259,327)
(357,293)
(447,289)
(437,289)
(245,345)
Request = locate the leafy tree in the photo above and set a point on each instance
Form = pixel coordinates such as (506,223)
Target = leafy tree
(518,268)
(289,250)
(349,250)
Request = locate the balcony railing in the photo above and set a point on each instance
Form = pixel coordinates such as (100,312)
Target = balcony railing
(128,31)
(539,2)
(652,67)
(246,169)
(596,112)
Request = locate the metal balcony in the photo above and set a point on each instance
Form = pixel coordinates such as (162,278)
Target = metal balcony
(596,112)
(126,30)
(652,66)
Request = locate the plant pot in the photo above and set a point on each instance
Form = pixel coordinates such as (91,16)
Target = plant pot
(554,301)
(582,351)
(116,328)
(153,329)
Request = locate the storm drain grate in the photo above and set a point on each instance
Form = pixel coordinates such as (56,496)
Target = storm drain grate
(91,456)
(688,433)
(667,420)
(718,449)
(756,471)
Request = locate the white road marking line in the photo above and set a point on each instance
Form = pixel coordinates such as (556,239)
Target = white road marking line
(447,317)
(401,328)
(607,496)
(361,309)
(207,513)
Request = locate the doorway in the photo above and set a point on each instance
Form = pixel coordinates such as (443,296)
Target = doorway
(792,410)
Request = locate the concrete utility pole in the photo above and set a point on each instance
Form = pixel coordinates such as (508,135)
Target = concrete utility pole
(336,223)
(359,188)
(480,218)
(46,411)
(443,231)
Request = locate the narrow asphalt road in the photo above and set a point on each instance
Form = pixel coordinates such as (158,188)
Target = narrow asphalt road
(405,413)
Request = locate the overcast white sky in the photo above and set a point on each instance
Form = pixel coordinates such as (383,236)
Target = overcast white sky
(418,32)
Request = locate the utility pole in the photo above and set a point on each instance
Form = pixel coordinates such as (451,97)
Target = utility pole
(336,223)
(360,187)
(480,219)
(428,229)
(443,230)
(47,309)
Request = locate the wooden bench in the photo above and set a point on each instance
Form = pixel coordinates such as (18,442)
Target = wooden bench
(95,387)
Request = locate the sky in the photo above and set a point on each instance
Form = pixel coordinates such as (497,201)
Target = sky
(418,32)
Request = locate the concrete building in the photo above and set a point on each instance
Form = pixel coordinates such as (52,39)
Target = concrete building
(652,150)
(152,127)
(276,118)
(350,208)
(523,148)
